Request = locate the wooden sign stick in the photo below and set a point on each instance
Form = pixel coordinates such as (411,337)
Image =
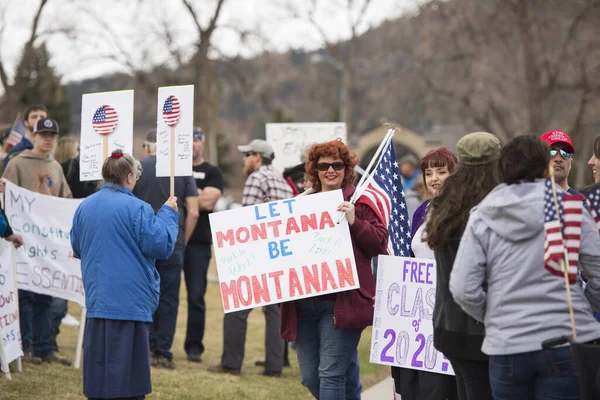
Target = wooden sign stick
(172,153)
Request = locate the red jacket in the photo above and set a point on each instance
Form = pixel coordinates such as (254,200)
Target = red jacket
(353,308)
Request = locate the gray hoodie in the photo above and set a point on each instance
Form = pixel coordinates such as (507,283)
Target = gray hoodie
(503,246)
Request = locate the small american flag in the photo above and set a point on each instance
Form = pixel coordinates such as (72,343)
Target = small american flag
(593,204)
(171,110)
(105,120)
(16,133)
(384,194)
(562,229)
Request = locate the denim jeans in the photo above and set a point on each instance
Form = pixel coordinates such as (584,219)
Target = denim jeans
(327,357)
(58,310)
(472,379)
(195,269)
(538,375)
(164,319)
(36,331)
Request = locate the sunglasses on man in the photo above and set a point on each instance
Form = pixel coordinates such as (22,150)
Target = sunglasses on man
(337,166)
(563,153)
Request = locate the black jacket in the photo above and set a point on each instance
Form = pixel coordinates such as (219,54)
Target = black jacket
(456,334)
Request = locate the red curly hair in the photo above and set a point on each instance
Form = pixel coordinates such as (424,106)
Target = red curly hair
(335,149)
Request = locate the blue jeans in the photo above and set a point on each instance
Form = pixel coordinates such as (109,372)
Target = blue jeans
(195,270)
(327,357)
(58,310)
(164,319)
(538,375)
(34,315)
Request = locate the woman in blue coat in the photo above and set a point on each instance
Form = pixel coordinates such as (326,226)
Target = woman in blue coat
(118,238)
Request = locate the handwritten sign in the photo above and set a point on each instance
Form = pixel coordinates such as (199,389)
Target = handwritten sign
(107,114)
(283,250)
(402,326)
(10,332)
(45,263)
(290,141)
(175,109)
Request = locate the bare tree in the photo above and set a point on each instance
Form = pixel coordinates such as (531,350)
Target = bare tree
(341,55)
(514,65)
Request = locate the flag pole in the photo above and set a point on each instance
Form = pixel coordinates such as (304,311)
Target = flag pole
(368,171)
(565,261)
(368,176)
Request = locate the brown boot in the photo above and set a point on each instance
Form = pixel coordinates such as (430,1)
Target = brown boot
(52,358)
(28,358)
(164,362)
(224,370)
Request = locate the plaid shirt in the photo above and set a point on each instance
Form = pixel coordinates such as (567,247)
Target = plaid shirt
(264,185)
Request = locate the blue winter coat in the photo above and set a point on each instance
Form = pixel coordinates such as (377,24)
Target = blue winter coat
(118,237)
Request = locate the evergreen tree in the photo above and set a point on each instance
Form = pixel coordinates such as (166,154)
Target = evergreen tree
(36,82)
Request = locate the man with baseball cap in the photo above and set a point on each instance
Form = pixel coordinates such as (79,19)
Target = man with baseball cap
(38,171)
(561,157)
(264,184)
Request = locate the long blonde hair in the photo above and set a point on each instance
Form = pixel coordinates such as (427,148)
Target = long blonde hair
(66,149)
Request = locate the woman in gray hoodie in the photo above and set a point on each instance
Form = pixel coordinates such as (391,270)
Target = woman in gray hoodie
(499,278)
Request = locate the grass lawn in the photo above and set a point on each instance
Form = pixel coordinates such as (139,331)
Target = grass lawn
(189,380)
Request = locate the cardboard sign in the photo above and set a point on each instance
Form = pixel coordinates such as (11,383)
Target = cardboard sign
(291,141)
(175,110)
(10,331)
(283,250)
(402,326)
(45,263)
(110,115)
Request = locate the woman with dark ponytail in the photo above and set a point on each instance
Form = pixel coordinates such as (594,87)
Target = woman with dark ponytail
(118,238)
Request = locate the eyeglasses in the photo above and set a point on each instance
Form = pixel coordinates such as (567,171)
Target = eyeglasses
(337,166)
(249,153)
(563,153)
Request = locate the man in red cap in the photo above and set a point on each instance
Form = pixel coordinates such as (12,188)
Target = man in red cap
(561,153)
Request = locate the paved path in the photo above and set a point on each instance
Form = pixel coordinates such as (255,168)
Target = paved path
(382,391)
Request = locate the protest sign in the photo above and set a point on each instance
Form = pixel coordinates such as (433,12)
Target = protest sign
(45,263)
(10,332)
(402,325)
(106,125)
(175,114)
(290,141)
(283,250)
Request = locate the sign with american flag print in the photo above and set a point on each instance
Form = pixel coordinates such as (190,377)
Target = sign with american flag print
(105,120)
(171,110)
(175,112)
(384,194)
(104,116)
(562,229)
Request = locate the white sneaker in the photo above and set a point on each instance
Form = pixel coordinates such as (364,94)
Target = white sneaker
(70,320)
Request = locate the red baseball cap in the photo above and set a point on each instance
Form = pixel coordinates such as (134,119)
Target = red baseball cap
(557,137)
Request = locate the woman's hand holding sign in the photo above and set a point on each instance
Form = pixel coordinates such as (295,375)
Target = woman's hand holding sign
(347,208)
(172,202)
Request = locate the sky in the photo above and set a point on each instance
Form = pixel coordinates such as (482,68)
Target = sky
(106,35)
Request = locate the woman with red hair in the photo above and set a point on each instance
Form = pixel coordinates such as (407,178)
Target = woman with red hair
(327,328)
(436,166)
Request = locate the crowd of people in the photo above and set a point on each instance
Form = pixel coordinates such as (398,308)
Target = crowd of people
(480,213)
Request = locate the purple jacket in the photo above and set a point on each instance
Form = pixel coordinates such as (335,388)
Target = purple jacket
(417,221)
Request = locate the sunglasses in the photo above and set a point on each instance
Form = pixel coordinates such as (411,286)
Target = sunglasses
(337,166)
(563,153)
(249,153)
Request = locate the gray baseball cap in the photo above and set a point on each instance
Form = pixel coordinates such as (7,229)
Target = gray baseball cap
(258,146)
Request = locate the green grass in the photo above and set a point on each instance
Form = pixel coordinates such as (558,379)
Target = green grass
(189,380)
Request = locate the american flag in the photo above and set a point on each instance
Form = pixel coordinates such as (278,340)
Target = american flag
(171,110)
(593,204)
(105,119)
(16,133)
(384,194)
(562,229)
